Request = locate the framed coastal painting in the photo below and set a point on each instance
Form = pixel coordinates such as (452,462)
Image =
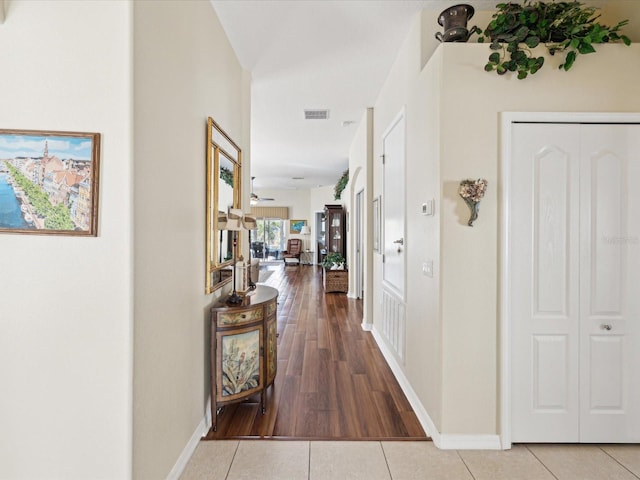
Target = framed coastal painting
(49,182)
(295,226)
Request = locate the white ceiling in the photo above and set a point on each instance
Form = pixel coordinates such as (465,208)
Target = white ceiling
(314,54)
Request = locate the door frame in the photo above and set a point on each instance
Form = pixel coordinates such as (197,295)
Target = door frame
(507,119)
(359,244)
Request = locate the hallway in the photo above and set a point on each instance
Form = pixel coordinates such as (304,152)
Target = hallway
(298,431)
(332,380)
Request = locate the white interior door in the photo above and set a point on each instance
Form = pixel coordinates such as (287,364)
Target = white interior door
(610,284)
(394,206)
(574,263)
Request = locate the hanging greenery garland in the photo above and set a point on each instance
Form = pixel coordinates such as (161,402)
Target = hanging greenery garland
(341,185)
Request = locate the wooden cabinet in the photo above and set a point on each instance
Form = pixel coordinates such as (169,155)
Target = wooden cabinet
(243,349)
(335,230)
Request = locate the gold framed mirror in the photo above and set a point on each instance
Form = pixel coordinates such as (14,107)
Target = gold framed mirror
(224,159)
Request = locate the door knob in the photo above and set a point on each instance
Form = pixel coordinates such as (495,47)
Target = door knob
(400,241)
(605,326)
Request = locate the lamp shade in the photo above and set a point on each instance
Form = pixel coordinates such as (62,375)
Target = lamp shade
(305,230)
(234,220)
(249,222)
(222,221)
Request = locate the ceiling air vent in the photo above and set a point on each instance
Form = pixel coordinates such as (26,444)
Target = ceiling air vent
(316,114)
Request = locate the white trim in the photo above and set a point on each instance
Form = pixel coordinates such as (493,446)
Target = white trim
(444,441)
(507,119)
(366,326)
(201,430)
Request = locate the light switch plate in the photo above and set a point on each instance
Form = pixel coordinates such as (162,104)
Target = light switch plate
(427,268)
(428,207)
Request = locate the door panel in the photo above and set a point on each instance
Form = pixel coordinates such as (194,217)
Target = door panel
(394,207)
(545,285)
(575,241)
(610,340)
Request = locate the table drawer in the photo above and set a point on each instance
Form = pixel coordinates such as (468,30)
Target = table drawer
(240,317)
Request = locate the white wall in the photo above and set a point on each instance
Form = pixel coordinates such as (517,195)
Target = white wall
(406,88)
(470,149)
(452,115)
(185,70)
(65,309)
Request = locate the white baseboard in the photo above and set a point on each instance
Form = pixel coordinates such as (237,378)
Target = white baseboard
(201,430)
(444,441)
(367,327)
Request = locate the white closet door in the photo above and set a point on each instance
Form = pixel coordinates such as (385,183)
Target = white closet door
(545,285)
(575,284)
(610,284)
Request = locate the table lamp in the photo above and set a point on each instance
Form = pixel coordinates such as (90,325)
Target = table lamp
(234,224)
(306,231)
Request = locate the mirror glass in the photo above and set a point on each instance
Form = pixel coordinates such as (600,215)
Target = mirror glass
(223,192)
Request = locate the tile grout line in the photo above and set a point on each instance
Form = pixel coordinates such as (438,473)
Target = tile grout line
(232,460)
(309,462)
(386,461)
(617,461)
(541,462)
(465,465)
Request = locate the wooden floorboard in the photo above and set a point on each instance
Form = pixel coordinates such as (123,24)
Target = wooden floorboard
(332,381)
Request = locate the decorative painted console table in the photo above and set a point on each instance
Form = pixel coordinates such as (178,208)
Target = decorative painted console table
(243,349)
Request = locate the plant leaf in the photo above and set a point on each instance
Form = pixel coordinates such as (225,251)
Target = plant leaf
(568,61)
(494,57)
(626,40)
(585,48)
(532,41)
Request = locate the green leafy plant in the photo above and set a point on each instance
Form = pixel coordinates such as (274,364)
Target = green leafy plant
(227,176)
(332,258)
(341,185)
(516,28)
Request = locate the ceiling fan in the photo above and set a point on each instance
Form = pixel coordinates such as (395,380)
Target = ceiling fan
(255,198)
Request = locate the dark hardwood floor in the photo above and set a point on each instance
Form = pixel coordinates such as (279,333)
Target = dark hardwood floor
(332,380)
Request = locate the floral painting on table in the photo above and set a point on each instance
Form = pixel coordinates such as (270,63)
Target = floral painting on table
(240,362)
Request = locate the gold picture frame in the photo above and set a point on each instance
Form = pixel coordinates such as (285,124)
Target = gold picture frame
(49,182)
(295,226)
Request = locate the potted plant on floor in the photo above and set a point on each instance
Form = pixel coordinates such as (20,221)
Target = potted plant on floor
(569,27)
(335,277)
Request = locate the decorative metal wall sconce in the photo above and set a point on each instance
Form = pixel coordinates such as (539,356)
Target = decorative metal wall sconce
(472,191)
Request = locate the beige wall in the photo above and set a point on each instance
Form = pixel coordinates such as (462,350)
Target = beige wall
(452,110)
(185,70)
(470,149)
(66,306)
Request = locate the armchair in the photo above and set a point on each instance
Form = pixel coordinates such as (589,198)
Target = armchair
(294,248)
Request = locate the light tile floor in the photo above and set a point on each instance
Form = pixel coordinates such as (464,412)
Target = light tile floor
(319,460)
